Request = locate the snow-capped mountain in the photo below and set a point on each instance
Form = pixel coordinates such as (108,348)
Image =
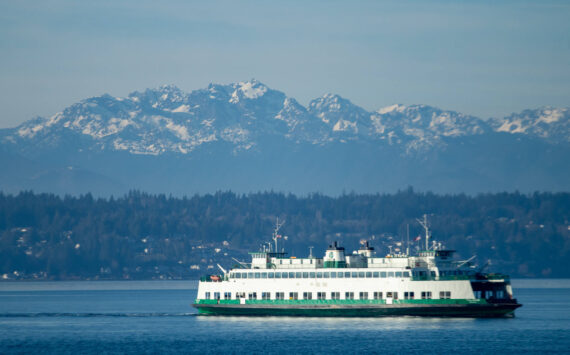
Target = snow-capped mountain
(167,120)
(222,135)
(549,123)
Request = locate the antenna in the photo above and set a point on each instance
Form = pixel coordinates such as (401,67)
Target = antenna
(408,239)
(424,223)
(275,233)
(311,252)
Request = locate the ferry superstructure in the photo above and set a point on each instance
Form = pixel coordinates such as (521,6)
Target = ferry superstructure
(430,283)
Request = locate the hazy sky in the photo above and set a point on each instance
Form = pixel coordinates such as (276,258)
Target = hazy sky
(486,58)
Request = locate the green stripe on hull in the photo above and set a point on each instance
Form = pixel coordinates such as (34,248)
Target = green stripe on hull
(450,310)
(345,302)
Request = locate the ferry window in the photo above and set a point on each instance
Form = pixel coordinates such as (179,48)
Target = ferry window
(312,275)
(257,275)
(444,294)
(361,274)
(488,294)
(321,295)
(389,295)
(477,294)
(298,275)
(333,275)
(426,295)
(305,275)
(406,274)
(395,295)
(284,275)
(293,295)
(319,275)
(408,295)
(377,295)
(237,275)
(398,274)
(250,275)
(326,275)
(347,274)
(432,273)
(383,274)
(280,295)
(368,274)
(349,295)
(240,295)
(311,261)
(227,295)
(281,262)
(363,295)
(354,274)
(291,275)
(376,274)
(263,275)
(307,295)
(340,274)
(335,295)
(252,296)
(270,275)
(301,261)
(216,295)
(207,295)
(265,295)
(277,275)
(391,274)
(500,294)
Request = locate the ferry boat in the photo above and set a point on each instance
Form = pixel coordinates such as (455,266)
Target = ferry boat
(361,284)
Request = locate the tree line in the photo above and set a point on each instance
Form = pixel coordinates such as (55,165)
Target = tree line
(142,236)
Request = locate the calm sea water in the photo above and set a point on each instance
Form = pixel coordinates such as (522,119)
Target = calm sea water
(156,317)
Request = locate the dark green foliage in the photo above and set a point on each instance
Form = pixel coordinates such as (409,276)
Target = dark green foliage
(157,236)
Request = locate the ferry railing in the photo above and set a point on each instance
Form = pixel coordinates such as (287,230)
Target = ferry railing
(460,277)
(214,278)
(440,278)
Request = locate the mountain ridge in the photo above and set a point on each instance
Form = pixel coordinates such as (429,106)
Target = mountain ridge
(168,119)
(246,137)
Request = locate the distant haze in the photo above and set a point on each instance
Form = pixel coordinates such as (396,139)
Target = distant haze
(481,58)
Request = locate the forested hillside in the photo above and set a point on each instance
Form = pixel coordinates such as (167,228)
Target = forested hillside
(142,236)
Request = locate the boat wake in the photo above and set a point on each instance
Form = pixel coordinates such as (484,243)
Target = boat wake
(89,315)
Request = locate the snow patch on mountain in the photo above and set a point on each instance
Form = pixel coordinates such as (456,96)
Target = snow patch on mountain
(392,108)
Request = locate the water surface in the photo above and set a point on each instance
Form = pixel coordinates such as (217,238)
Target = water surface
(156,317)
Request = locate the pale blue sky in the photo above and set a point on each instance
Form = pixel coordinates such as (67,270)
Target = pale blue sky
(486,58)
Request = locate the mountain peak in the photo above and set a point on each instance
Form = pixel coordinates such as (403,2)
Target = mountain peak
(251,89)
